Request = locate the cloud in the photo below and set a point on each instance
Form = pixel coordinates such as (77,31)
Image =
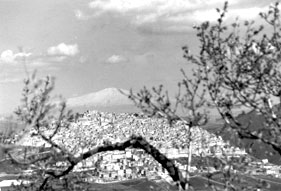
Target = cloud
(172,15)
(153,6)
(12,61)
(115,59)
(8,56)
(63,49)
(248,13)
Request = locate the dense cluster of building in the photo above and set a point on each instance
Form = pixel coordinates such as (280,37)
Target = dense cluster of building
(96,128)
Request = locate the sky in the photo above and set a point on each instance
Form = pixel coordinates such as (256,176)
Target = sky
(89,45)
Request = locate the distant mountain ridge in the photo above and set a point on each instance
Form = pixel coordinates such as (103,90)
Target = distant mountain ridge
(254,121)
(109,99)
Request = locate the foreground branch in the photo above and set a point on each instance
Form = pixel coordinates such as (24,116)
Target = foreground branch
(134,142)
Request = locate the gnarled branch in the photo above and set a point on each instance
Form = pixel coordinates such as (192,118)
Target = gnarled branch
(134,142)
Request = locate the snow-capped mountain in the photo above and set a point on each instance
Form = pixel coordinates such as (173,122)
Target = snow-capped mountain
(109,99)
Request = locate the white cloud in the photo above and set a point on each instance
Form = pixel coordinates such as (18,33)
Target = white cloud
(157,6)
(170,14)
(54,55)
(114,59)
(8,56)
(248,13)
(212,15)
(63,49)
(152,10)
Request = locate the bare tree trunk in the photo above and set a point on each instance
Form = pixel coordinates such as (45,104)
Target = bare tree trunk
(188,165)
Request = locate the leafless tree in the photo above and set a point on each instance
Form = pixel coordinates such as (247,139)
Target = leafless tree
(45,117)
(238,66)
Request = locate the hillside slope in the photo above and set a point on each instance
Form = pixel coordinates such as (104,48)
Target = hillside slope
(254,122)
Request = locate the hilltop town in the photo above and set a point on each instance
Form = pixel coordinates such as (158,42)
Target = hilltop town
(95,128)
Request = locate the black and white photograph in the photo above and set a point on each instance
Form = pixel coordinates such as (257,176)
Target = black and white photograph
(140,95)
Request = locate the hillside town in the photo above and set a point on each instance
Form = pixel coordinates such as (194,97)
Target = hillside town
(95,128)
